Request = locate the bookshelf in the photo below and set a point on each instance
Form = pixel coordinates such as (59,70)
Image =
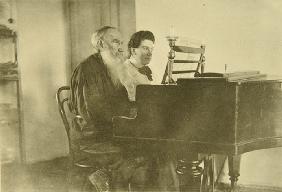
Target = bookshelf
(10,99)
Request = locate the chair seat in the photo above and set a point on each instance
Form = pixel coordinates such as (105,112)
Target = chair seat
(85,163)
(87,132)
(100,148)
(97,155)
(209,74)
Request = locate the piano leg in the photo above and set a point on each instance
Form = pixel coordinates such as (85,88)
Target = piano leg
(189,173)
(207,183)
(234,170)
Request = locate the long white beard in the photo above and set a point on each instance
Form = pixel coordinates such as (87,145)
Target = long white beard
(114,65)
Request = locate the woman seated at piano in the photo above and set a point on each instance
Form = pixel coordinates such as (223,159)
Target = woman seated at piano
(136,72)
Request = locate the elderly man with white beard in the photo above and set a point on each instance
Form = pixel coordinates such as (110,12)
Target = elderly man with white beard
(97,95)
(96,92)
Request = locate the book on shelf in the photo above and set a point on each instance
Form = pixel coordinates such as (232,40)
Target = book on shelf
(244,76)
(236,76)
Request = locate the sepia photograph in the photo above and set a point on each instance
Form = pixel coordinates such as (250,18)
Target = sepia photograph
(141,95)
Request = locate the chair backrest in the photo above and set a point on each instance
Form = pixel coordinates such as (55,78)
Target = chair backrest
(62,101)
(198,51)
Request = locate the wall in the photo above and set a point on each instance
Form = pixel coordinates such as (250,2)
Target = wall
(9,127)
(54,36)
(243,34)
(42,59)
(88,15)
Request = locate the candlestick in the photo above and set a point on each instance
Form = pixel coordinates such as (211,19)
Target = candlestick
(171,31)
(171,56)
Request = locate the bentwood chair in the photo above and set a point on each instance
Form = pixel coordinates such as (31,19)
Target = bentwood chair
(198,59)
(85,154)
(194,60)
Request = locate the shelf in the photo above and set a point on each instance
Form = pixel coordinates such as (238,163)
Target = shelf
(11,118)
(8,65)
(5,32)
(9,78)
(9,71)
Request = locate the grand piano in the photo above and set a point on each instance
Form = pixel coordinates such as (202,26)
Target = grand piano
(206,115)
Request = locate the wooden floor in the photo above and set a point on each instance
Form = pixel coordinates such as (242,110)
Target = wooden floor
(51,176)
(45,176)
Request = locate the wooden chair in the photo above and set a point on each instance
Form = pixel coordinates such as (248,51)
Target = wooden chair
(196,51)
(83,154)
